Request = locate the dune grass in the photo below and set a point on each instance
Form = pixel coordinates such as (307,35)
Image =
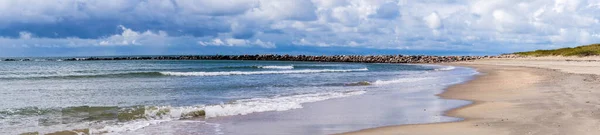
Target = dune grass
(587,50)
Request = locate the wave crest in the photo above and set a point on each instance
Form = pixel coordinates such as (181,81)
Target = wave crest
(158,74)
(69,76)
(448,68)
(276,67)
(258,72)
(113,119)
(401,80)
(246,106)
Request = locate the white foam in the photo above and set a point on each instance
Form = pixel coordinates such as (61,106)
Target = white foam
(124,127)
(276,67)
(258,72)
(238,107)
(400,80)
(246,106)
(151,117)
(448,68)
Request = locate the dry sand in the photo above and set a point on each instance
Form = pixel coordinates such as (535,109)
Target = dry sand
(579,65)
(540,96)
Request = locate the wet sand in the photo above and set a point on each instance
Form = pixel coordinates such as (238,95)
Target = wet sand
(539,96)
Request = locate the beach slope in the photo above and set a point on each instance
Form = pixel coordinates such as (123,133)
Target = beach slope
(539,96)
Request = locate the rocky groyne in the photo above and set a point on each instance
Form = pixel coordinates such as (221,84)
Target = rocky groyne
(333,58)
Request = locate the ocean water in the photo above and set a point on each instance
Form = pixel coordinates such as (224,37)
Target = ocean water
(220,97)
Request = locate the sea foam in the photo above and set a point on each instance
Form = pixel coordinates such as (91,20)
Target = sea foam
(448,68)
(400,80)
(246,106)
(276,67)
(259,72)
(155,115)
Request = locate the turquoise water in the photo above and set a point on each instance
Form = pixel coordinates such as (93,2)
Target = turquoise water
(133,96)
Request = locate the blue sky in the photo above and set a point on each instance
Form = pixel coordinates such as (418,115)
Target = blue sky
(159,27)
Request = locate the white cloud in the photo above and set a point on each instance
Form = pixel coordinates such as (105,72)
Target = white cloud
(216,42)
(264,44)
(130,37)
(216,7)
(127,37)
(566,5)
(24,35)
(284,10)
(346,15)
(237,42)
(482,25)
(433,21)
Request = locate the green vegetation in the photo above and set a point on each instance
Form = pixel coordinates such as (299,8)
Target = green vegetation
(588,50)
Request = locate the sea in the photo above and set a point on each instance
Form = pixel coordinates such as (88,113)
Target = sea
(220,97)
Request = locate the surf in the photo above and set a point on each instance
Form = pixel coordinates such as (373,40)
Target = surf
(225,73)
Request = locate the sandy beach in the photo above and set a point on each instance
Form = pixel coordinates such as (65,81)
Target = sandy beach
(539,96)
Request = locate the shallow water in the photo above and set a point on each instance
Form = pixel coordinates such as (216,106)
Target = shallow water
(395,102)
(220,97)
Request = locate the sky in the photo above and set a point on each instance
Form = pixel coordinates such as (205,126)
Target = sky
(313,27)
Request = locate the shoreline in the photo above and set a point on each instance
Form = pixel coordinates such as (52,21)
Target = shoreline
(533,99)
(453,112)
(314,106)
(333,116)
(320,118)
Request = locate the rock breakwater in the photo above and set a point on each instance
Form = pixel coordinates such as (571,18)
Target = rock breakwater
(270,57)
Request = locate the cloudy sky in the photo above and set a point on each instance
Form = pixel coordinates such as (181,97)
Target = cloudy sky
(158,27)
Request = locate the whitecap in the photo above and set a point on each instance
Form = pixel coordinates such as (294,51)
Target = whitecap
(400,80)
(448,68)
(276,67)
(259,72)
(157,115)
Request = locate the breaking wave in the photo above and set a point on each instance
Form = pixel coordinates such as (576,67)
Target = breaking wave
(276,67)
(448,68)
(158,74)
(123,119)
(75,75)
(401,80)
(259,72)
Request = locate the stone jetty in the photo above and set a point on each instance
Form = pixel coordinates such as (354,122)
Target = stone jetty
(270,57)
